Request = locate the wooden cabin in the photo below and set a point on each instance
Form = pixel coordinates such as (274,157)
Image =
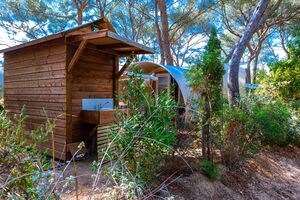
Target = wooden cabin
(69,77)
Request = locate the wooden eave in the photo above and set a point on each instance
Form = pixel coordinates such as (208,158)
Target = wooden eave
(105,40)
(34,42)
(112,43)
(54,36)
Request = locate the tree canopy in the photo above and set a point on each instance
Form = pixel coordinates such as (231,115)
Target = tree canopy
(177,30)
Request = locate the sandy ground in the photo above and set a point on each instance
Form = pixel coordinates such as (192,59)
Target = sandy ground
(274,173)
(85,181)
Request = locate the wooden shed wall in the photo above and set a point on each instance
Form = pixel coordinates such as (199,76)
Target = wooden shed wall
(92,77)
(36,77)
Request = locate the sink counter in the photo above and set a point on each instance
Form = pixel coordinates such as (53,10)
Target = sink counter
(104,116)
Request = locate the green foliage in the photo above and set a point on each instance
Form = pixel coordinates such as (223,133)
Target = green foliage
(23,169)
(276,119)
(273,120)
(207,75)
(256,120)
(34,18)
(278,123)
(293,136)
(284,78)
(239,138)
(1,104)
(210,170)
(205,78)
(147,134)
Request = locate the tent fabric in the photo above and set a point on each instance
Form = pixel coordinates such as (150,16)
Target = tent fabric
(178,73)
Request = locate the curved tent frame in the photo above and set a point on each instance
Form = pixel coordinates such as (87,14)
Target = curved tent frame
(177,74)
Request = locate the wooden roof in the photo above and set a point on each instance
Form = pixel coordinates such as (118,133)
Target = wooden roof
(111,43)
(105,39)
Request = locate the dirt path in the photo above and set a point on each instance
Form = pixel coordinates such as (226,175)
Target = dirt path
(85,180)
(272,174)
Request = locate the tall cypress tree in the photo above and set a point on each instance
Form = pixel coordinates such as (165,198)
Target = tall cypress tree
(206,78)
(213,72)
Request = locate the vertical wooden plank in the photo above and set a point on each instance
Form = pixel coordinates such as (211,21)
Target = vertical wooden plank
(116,80)
(92,77)
(69,53)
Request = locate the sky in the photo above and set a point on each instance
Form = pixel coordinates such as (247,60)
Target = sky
(6,40)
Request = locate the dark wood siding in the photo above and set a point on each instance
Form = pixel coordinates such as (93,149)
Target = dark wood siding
(92,77)
(35,77)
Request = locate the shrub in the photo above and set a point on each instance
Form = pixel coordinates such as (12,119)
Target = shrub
(273,121)
(256,120)
(210,170)
(147,135)
(144,137)
(239,138)
(23,169)
(1,104)
(293,136)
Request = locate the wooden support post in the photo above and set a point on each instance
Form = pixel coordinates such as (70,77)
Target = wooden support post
(116,80)
(77,54)
(127,63)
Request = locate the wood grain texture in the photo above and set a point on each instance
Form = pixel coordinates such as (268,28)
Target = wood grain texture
(35,78)
(99,117)
(77,54)
(104,144)
(92,77)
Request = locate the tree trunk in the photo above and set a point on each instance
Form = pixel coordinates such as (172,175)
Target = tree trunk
(165,31)
(80,6)
(101,11)
(248,69)
(282,38)
(259,46)
(206,137)
(234,63)
(79,17)
(158,34)
(248,72)
(255,66)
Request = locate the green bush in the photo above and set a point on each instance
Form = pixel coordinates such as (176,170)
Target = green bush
(277,122)
(293,136)
(283,79)
(256,120)
(210,170)
(239,138)
(23,169)
(145,135)
(273,120)
(1,104)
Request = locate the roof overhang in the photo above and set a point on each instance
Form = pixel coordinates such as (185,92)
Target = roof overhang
(34,42)
(106,40)
(55,36)
(112,43)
